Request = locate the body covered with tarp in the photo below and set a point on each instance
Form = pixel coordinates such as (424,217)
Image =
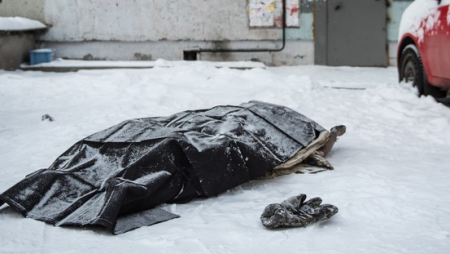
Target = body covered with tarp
(115,178)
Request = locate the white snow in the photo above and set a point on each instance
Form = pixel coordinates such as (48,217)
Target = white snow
(390,183)
(19,24)
(447,2)
(63,63)
(415,15)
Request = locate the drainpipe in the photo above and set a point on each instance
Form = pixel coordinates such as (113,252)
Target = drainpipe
(200,50)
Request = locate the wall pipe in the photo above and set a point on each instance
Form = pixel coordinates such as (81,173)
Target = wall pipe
(200,50)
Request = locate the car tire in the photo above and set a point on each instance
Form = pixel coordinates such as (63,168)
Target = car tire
(411,70)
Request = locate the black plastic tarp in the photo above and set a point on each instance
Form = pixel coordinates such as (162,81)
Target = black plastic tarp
(115,177)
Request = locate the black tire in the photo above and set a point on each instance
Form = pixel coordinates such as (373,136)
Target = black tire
(411,70)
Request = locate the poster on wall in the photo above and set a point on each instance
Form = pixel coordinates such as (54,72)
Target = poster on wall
(269,13)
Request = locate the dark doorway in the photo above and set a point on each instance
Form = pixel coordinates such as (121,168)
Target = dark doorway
(351,32)
(190,55)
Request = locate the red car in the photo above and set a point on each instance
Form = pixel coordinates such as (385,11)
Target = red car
(423,53)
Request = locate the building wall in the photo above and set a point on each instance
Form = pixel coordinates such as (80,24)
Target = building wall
(144,29)
(173,20)
(395,11)
(14,48)
(295,52)
(33,9)
(152,29)
(144,20)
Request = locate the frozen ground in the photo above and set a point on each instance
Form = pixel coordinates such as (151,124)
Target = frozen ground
(391,177)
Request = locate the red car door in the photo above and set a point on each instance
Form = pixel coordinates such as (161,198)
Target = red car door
(436,44)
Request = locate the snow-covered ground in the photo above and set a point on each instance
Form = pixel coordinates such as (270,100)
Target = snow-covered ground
(81,64)
(391,177)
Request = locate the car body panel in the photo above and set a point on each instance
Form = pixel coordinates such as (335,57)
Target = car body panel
(426,23)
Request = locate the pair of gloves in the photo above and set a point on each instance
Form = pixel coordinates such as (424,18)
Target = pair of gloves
(295,212)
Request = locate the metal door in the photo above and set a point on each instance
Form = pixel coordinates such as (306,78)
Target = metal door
(356,33)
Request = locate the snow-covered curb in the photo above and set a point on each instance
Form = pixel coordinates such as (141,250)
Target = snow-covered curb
(80,64)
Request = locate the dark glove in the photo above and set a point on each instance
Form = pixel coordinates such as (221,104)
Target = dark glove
(295,212)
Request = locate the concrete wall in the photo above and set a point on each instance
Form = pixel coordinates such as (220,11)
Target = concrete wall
(141,20)
(295,53)
(14,48)
(144,20)
(145,29)
(152,29)
(33,9)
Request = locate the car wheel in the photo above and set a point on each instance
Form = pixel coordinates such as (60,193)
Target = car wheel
(411,70)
